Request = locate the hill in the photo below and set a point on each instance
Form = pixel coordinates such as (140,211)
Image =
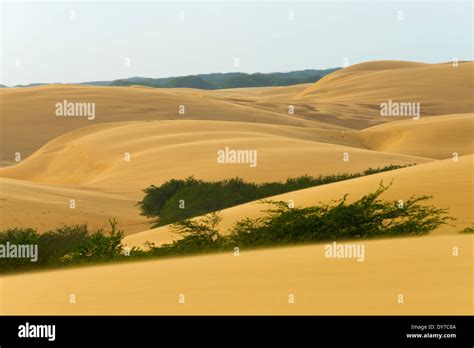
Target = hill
(259,282)
(214,80)
(445,180)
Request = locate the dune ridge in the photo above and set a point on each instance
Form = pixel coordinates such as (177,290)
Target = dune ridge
(346,99)
(447,181)
(73,158)
(259,282)
(86,159)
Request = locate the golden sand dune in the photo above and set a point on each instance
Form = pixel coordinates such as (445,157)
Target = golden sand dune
(434,137)
(160,151)
(423,270)
(346,99)
(439,88)
(450,183)
(384,65)
(351,97)
(29,113)
(46,206)
(89,165)
(139,138)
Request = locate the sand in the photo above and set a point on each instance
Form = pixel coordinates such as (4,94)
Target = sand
(449,182)
(423,270)
(160,151)
(84,160)
(348,98)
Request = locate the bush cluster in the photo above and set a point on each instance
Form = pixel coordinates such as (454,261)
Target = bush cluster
(165,203)
(368,217)
(65,245)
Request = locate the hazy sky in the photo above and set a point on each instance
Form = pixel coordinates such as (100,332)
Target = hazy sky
(76,42)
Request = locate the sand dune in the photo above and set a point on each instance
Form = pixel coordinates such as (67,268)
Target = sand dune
(434,137)
(176,149)
(448,182)
(424,270)
(29,113)
(73,158)
(346,99)
(88,165)
(351,97)
(85,159)
(46,206)
(440,88)
(384,65)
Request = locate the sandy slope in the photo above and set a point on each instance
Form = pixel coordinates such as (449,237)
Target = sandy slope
(348,98)
(175,149)
(424,270)
(46,206)
(440,88)
(88,165)
(72,158)
(435,137)
(29,113)
(450,183)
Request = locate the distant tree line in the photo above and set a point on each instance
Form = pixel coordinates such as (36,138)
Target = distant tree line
(215,80)
(228,80)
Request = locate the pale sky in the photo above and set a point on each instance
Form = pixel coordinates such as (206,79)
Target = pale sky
(77,42)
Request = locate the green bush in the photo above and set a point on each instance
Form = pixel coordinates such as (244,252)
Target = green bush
(97,246)
(66,245)
(162,203)
(197,236)
(468,229)
(368,217)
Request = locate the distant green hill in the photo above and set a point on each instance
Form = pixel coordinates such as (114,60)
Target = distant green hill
(228,80)
(215,80)
(190,81)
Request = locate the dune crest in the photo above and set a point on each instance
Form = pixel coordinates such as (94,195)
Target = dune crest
(213,283)
(447,181)
(343,100)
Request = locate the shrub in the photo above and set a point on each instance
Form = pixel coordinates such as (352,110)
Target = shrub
(65,245)
(468,229)
(97,246)
(162,203)
(197,236)
(367,217)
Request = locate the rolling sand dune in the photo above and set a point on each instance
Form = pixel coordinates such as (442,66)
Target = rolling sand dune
(450,183)
(423,269)
(434,137)
(439,88)
(88,165)
(163,150)
(346,99)
(351,97)
(29,113)
(46,206)
(66,158)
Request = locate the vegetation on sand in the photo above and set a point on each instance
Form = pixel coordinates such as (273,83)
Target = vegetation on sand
(368,217)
